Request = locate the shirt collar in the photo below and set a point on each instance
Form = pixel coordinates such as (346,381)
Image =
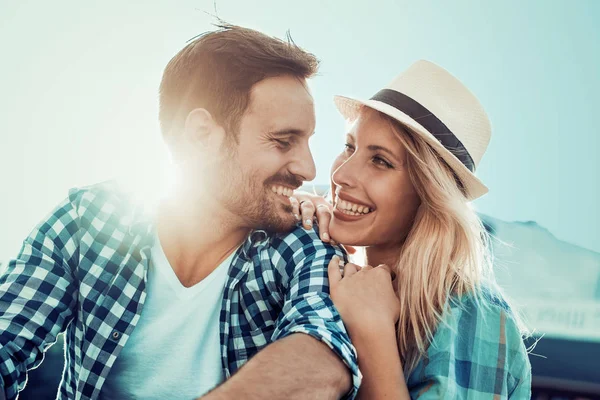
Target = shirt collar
(256,239)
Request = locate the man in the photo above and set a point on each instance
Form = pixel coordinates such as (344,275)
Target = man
(178,302)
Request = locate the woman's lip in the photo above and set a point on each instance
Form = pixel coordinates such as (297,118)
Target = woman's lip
(345,197)
(347,217)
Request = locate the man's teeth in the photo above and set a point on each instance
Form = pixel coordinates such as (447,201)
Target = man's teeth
(282,190)
(351,208)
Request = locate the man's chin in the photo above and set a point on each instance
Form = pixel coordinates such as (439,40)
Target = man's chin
(280,219)
(276,217)
(281,224)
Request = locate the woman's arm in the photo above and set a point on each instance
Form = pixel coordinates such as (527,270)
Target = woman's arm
(369,308)
(379,361)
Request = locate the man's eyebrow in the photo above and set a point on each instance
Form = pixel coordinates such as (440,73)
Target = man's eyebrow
(289,132)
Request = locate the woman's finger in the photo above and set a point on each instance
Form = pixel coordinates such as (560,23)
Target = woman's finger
(295,207)
(333,271)
(350,269)
(324,218)
(307,212)
(388,269)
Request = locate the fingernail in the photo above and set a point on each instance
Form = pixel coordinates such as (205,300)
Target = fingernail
(308,222)
(325,236)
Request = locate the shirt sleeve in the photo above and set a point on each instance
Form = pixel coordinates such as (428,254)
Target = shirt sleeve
(477,352)
(37,296)
(302,259)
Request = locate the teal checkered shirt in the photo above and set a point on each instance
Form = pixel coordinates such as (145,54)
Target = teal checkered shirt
(476,353)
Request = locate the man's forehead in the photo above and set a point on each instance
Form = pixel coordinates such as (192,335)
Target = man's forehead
(277,92)
(282,103)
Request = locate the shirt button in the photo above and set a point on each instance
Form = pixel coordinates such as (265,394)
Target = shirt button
(116,335)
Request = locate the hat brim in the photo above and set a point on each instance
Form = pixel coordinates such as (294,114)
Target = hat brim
(349,108)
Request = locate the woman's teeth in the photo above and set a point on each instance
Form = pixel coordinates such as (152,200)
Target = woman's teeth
(351,208)
(282,190)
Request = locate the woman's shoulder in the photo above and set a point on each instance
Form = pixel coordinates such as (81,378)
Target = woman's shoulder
(486,313)
(486,301)
(482,327)
(478,342)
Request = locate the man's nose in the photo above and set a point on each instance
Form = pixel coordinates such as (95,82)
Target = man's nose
(304,166)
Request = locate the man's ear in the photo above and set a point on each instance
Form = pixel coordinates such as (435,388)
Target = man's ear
(201,131)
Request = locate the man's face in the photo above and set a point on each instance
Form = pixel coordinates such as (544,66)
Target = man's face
(272,157)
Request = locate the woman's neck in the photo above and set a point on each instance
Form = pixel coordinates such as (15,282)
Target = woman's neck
(376,255)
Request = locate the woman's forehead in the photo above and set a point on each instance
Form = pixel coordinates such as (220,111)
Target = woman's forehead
(371,125)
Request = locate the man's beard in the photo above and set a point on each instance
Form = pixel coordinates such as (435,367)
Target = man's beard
(252,200)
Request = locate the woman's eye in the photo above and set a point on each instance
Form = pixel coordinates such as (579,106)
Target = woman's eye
(382,163)
(348,148)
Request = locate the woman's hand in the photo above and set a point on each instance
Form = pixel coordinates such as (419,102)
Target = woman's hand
(364,297)
(307,206)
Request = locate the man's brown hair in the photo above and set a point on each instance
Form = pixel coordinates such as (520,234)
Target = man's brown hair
(217,70)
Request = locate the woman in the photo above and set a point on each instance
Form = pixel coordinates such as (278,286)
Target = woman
(425,314)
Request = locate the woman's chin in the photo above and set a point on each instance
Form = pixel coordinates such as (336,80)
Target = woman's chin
(344,235)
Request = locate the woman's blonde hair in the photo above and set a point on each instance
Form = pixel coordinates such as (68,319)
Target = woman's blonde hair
(445,255)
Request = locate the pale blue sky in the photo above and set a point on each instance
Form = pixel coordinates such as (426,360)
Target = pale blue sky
(79,84)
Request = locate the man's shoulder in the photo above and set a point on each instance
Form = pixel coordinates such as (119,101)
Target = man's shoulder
(300,247)
(296,256)
(104,203)
(299,240)
(107,191)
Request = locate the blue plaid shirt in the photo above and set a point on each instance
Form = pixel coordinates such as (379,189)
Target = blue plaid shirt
(83,270)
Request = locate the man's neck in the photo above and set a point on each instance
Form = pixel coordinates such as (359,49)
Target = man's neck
(197,237)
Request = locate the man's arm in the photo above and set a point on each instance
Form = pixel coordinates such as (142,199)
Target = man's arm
(311,355)
(296,367)
(37,295)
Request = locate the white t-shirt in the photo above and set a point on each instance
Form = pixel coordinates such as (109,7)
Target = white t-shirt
(174,352)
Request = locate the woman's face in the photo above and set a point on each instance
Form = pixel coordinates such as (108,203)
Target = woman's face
(374,199)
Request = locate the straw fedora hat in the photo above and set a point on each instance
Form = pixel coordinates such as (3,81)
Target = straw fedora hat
(437,107)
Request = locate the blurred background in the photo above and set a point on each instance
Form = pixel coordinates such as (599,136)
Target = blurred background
(78,105)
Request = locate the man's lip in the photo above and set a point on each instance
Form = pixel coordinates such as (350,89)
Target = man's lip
(345,197)
(285,186)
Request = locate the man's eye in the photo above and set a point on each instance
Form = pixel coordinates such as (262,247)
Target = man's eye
(282,143)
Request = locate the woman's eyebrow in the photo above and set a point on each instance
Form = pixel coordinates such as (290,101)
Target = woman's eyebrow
(374,147)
